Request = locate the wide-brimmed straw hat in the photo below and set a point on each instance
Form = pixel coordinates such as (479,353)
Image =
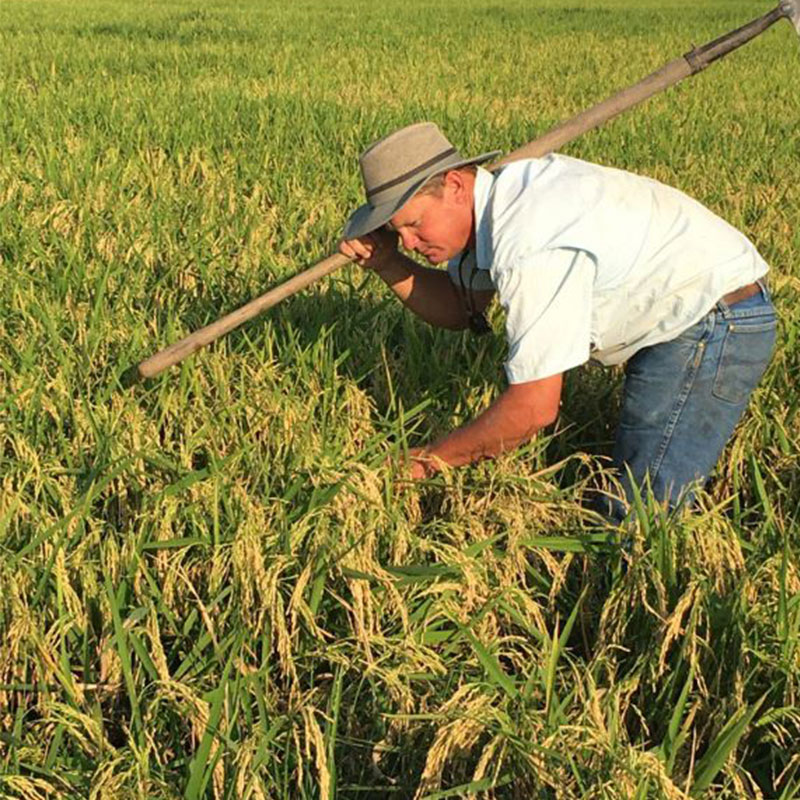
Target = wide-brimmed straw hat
(396,167)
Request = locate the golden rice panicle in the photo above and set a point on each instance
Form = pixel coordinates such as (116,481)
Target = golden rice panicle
(315,742)
(454,737)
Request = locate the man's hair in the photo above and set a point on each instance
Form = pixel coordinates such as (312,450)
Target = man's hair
(435,185)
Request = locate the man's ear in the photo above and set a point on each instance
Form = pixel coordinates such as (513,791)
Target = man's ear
(456,182)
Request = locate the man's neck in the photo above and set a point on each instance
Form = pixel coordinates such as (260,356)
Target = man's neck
(473,235)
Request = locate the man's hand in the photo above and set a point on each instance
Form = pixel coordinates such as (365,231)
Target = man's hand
(420,464)
(373,251)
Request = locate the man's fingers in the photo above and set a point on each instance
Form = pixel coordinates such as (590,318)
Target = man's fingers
(353,249)
(361,250)
(422,464)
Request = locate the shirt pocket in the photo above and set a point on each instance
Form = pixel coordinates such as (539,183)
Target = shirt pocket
(745,353)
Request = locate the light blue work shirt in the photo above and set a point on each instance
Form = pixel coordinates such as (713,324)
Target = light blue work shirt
(590,261)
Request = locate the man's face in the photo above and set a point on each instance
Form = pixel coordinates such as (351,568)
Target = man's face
(438,226)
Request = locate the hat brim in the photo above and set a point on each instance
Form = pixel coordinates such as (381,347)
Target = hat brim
(368,218)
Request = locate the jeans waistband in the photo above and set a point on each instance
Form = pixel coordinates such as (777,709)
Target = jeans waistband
(728,311)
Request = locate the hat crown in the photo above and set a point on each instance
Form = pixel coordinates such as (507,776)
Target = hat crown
(396,167)
(405,157)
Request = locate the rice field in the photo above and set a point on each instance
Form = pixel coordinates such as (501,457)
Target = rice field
(213,584)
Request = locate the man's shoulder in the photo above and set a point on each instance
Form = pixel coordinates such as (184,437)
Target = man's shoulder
(545,169)
(541,183)
(532,200)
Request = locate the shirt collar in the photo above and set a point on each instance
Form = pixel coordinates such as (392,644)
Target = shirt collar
(484,181)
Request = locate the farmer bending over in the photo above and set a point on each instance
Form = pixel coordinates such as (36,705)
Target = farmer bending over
(588,262)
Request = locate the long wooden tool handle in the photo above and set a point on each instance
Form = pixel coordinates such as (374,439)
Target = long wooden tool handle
(693,62)
(185,347)
(690,64)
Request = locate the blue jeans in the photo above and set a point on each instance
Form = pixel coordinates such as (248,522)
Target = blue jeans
(683,398)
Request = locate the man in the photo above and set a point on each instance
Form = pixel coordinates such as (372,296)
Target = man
(587,261)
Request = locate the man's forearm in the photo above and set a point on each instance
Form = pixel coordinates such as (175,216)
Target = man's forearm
(428,292)
(512,419)
(486,436)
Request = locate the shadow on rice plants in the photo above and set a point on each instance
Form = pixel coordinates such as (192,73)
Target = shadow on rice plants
(192,27)
(441,365)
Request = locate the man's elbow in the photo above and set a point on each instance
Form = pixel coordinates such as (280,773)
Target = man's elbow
(546,417)
(537,405)
(456,322)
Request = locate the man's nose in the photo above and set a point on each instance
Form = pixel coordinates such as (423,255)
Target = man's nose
(409,240)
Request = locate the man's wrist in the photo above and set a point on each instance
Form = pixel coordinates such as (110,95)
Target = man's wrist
(392,271)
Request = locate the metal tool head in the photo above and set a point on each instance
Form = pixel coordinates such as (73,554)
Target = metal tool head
(791,10)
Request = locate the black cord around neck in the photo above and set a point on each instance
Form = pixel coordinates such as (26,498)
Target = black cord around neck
(477,320)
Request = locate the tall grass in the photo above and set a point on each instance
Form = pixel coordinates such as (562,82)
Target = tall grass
(212,585)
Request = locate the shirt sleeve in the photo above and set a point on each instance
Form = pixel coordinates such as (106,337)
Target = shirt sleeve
(547,297)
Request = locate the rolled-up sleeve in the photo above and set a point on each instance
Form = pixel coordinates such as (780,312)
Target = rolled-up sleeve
(548,301)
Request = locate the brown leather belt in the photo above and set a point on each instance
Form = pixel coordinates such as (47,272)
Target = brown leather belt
(743,293)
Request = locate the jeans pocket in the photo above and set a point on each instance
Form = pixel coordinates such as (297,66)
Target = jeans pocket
(745,354)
